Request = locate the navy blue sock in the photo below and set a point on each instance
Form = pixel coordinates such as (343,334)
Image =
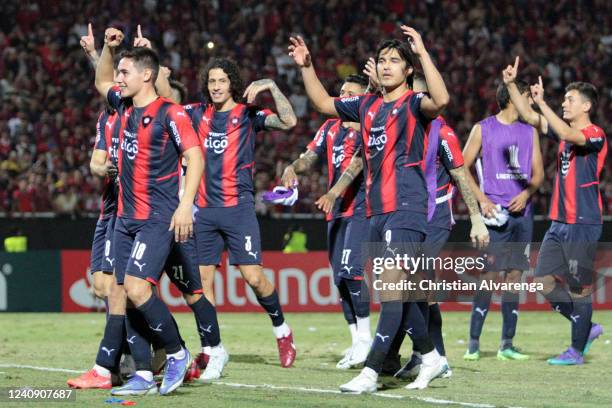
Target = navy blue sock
(480,308)
(509,307)
(203,339)
(414,326)
(272,305)
(360,297)
(139,338)
(581,322)
(160,321)
(561,301)
(389,323)
(178,331)
(109,353)
(396,345)
(434,327)
(424,308)
(206,318)
(346,302)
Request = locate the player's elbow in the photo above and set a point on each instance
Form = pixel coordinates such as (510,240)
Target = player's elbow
(442,101)
(94,167)
(102,86)
(325,105)
(290,122)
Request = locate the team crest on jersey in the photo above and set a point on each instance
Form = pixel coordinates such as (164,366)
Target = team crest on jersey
(146,120)
(234,121)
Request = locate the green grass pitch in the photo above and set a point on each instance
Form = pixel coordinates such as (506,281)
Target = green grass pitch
(253,377)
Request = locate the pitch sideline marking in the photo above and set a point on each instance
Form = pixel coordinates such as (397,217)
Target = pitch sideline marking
(280,387)
(60,370)
(377,394)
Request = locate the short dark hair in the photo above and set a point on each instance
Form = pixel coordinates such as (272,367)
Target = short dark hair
(587,91)
(230,67)
(144,58)
(180,88)
(403,49)
(358,79)
(503,96)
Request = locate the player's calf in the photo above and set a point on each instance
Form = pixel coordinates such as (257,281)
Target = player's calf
(267,296)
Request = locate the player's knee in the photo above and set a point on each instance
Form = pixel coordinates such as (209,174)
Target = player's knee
(362,308)
(108,286)
(579,292)
(191,298)
(100,289)
(138,290)
(547,283)
(513,276)
(255,280)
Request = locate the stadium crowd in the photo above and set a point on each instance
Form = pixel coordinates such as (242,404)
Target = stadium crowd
(49,105)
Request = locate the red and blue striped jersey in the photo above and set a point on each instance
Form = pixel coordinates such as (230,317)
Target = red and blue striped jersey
(337,144)
(394,140)
(228,144)
(151,139)
(107,139)
(449,157)
(576,197)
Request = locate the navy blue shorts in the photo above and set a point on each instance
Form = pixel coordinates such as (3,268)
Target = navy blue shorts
(397,234)
(102,254)
(141,248)
(344,239)
(235,227)
(568,251)
(182,267)
(394,236)
(510,244)
(435,239)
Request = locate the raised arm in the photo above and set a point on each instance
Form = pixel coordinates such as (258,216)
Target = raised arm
(470,155)
(434,103)
(479,233)
(370,71)
(104,69)
(299,166)
(285,119)
(317,94)
(326,202)
(88,44)
(522,106)
(162,83)
(558,125)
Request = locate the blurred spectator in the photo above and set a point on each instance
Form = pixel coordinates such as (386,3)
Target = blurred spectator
(49,105)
